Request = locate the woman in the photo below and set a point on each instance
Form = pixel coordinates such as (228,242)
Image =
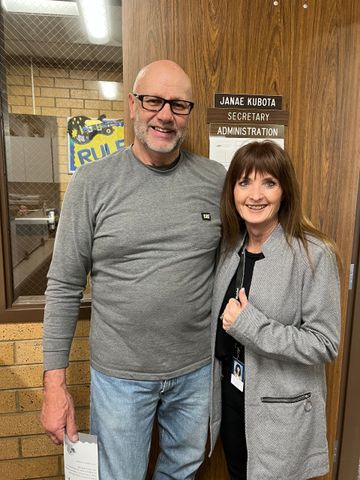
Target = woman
(276,313)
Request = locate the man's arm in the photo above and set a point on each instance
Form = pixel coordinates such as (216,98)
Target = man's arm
(67,278)
(58,412)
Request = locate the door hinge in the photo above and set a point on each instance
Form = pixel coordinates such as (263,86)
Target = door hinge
(335,451)
(351,276)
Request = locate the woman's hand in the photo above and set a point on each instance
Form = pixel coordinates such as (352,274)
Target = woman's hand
(233,309)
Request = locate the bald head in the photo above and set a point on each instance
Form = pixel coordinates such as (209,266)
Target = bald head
(159,133)
(163,78)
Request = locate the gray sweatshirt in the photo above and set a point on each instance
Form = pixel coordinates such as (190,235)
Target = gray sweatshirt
(148,237)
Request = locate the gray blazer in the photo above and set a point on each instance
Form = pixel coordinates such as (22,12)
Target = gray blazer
(290,329)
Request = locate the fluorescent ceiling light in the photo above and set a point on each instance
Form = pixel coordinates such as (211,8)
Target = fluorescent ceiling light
(41,7)
(96,20)
(110,90)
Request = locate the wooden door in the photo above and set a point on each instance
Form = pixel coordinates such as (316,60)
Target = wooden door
(309,56)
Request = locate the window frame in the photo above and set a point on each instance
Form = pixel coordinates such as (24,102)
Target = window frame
(9,311)
(33,310)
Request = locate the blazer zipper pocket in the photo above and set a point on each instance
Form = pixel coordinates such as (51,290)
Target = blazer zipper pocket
(296,398)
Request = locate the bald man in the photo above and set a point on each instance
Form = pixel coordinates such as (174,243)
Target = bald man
(144,223)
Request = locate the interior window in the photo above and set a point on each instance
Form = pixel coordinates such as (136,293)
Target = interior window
(62,106)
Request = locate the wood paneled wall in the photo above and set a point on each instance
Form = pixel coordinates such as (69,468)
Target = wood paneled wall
(309,56)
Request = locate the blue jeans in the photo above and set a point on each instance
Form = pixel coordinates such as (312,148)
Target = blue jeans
(122,416)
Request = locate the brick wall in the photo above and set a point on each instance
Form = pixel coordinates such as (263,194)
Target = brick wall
(25,451)
(61,93)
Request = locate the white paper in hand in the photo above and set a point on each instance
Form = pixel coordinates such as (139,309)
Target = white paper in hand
(81,458)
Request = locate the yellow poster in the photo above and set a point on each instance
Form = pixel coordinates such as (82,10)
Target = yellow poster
(91,139)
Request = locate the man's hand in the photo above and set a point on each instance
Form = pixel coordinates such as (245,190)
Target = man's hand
(58,412)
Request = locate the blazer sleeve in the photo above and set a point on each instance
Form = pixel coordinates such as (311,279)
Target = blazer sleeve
(313,340)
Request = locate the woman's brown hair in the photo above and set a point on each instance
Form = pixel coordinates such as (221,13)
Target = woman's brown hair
(266,158)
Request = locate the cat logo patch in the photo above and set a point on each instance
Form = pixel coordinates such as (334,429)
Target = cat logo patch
(206,216)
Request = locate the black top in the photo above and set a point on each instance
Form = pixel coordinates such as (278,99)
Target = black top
(226,347)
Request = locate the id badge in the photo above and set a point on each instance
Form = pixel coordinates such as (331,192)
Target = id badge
(238,374)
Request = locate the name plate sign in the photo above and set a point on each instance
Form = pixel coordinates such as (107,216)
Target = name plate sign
(234,115)
(246,131)
(226,100)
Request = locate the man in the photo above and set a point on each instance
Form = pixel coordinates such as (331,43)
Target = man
(145,223)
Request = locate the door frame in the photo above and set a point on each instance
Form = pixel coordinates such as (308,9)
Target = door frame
(348,437)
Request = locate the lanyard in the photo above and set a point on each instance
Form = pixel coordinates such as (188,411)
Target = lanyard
(238,351)
(240,273)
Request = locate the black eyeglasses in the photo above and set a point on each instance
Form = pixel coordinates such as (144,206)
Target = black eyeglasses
(155,104)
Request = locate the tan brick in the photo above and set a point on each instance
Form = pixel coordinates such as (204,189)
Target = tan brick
(21,90)
(40,82)
(114,114)
(53,72)
(7,401)
(62,188)
(29,423)
(120,92)
(41,101)
(63,161)
(22,110)
(6,353)
(62,131)
(85,113)
(82,328)
(80,394)
(84,74)
(62,122)
(9,448)
(90,94)
(108,76)
(63,149)
(16,100)
(29,468)
(56,112)
(30,400)
(82,416)
(117,98)
(71,103)
(55,92)
(79,349)
(63,177)
(63,169)
(28,352)
(39,446)
(18,424)
(19,70)
(99,104)
(78,373)
(91,85)
(68,83)
(62,141)
(117,106)
(15,80)
(21,376)
(21,331)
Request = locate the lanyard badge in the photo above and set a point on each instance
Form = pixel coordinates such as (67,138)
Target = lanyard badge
(238,374)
